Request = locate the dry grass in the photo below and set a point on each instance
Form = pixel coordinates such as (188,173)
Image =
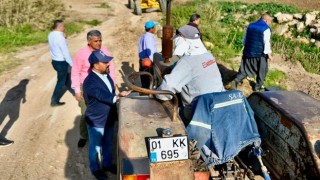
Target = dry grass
(38,13)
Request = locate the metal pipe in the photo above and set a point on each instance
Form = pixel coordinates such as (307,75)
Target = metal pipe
(167,34)
(152,92)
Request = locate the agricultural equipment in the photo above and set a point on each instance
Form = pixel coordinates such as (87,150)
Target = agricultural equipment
(153,141)
(147,5)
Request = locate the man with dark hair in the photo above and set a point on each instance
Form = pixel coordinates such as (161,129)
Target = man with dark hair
(194,21)
(257,51)
(79,72)
(147,47)
(100,97)
(61,62)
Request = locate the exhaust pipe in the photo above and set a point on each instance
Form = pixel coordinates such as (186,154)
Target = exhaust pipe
(167,34)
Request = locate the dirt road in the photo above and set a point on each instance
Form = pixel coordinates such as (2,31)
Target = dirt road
(45,137)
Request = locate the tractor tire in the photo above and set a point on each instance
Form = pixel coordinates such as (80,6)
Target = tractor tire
(130,4)
(163,6)
(137,7)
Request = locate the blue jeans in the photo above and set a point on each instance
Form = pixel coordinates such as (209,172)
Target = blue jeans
(100,142)
(63,82)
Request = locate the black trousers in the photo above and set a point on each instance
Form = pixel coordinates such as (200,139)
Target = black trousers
(145,80)
(251,67)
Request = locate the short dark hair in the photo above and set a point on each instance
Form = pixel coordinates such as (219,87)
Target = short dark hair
(194,17)
(56,23)
(93,33)
(147,30)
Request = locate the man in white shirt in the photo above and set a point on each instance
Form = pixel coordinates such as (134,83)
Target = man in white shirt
(257,51)
(61,62)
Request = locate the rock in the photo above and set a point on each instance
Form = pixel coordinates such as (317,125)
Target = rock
(280,30)
(288,34)
(312,40)
(300,26)
(243,7)
(317,44)
(282,18)
(315,12)
(277,14)
(313,30)
(303,40)
(293,22)
(208,44)
(309,18)
(298,16)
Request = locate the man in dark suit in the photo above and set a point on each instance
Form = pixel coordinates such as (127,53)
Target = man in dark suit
(100,97)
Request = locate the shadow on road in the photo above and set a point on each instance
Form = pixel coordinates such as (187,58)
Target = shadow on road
(10,105)
(126,70)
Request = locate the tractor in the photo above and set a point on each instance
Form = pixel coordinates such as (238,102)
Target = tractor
(147,5)
(153,140)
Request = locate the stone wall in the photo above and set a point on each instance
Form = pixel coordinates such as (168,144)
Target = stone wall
(302,27)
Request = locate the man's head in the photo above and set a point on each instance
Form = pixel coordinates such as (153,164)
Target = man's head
(195,18)
(58,25)
(99,61)
(266,18)
(188,42)
(94,40)
(150,26)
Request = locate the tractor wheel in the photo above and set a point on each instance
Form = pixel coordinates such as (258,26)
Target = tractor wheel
(163,5)
(130,4)
(137,7)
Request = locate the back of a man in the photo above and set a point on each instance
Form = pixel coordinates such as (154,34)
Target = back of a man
(194,76)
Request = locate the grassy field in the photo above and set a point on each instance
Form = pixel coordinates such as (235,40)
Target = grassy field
(220,27)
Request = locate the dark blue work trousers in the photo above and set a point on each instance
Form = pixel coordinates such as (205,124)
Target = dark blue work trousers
(63,80)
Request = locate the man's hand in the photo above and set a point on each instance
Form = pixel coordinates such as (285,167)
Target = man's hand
(79,97)
(270,57)
(124,93)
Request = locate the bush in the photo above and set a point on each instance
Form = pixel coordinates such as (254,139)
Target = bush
(33,12)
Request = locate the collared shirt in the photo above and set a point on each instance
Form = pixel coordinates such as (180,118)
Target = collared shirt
(104,78)
(147,46)
(266,40)
(81,67)
(58,47)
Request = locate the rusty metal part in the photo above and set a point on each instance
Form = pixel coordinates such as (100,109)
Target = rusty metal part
(152,92)
(289,125)
(167,34)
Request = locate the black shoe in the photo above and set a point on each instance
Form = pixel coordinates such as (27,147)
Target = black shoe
(112,169)
(100,175)
(53,104)
(82,143)
(5,142)
(234,85)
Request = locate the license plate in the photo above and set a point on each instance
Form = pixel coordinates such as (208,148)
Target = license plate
(168,149)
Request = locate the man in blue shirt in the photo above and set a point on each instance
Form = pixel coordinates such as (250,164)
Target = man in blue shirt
(61,62)
(257,50)
(100,97)
(147,47)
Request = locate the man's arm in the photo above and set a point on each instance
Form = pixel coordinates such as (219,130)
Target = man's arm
(65,50)
(267,44)
(75,76)
(174,82)
(100,95)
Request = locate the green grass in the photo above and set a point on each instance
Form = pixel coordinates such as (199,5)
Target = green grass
(94,22)
(104,5)
(219,26)
(275,78)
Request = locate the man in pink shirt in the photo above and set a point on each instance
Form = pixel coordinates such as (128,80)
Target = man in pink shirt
(80,70)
